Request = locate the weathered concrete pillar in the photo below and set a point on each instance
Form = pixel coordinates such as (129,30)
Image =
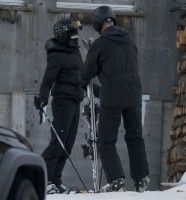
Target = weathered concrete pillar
(5,110)
(18,112)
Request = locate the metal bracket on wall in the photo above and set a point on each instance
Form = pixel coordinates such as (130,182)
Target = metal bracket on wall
(10,16)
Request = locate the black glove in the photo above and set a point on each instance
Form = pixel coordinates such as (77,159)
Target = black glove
(40,102)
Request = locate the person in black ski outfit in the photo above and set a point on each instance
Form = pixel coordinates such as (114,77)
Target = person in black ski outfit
(61,77)
(113,58)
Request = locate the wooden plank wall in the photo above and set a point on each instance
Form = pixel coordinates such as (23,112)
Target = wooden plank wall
(23,58)
(156,38)
(23,61)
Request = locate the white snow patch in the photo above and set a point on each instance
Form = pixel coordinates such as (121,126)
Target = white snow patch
(178,193)
(181,182)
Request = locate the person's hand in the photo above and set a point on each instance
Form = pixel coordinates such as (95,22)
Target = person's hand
(40,102)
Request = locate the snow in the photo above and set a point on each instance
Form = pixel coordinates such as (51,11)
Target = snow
(181,182)
(175,193)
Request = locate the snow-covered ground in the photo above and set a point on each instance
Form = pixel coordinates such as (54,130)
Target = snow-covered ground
(176,193)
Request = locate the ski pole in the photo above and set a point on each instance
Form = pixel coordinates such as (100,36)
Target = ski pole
(100,178)
(62,145)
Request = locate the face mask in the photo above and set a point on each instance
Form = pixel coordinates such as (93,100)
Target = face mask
(73,42)
(73,38)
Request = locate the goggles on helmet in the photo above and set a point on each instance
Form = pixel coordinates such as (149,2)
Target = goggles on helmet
(73,25)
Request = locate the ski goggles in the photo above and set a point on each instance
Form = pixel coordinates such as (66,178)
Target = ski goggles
(75,25)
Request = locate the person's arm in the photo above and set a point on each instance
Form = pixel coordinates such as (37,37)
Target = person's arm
(51,72)
(90,67)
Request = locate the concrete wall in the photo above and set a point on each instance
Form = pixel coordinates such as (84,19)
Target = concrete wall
(156,127)
(5,110)
(23,61)
(166,141)
(13,111)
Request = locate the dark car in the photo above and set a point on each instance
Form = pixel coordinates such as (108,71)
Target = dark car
(22,172)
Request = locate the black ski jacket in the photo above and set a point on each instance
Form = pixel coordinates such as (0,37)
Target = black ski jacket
(61,74)
(113,58)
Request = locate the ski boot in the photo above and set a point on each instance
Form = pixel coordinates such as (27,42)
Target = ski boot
(52,189)
(115,186)
(63,189)
(140,186)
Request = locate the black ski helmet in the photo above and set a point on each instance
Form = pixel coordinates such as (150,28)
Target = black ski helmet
(62,27)
(100,14)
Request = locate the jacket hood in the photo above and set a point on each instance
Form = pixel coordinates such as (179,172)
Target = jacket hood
(116,34)
(55,45)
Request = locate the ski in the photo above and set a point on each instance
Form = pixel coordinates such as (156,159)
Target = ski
(93,136)
(91,112)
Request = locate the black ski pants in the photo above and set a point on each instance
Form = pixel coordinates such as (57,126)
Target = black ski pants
(65,121)
(109,122)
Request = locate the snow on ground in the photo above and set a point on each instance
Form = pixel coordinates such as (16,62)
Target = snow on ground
(175,193)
